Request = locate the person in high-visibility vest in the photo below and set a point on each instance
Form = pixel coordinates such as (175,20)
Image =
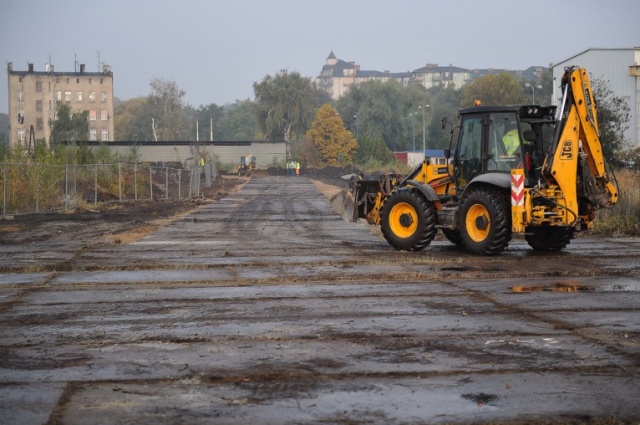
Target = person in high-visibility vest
(511,141)
(297,168)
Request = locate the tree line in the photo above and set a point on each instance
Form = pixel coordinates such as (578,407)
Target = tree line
(368,123)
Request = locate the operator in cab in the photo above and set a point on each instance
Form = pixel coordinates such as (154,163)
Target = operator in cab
(511,139)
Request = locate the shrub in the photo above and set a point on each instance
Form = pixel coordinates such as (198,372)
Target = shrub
(624,218)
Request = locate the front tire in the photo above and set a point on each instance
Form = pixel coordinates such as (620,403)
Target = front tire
(485,221)
(549,238)
(407,220)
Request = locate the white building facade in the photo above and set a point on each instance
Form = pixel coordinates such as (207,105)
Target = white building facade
(620,68)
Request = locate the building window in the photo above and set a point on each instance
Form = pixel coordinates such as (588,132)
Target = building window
(20,95)
(92,115)
(39,124)
(67,80)
(78,96)
(59,96)
(21,116)
(38,86)
(92,134)
(77,80)
(92,96)
(103,96)
(89,80)
(67,96)
(104,115)
(38,105)
(21,134)
(100,80)
(105,135)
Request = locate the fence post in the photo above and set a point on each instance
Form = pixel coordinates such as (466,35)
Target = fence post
(4,190)
(95,185)
(66,186)
(151,182)
(166,183)
(135,181)
(179,182)
(120,181)
(38,188)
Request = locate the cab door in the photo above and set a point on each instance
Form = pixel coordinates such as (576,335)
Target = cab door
(468,162)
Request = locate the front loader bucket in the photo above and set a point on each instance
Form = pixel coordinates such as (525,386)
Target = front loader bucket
(342,203)
(368,191)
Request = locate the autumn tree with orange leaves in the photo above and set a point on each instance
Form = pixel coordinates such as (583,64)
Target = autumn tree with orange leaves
(336,144)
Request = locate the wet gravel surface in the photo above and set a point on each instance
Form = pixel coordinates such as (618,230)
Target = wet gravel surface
(265,307)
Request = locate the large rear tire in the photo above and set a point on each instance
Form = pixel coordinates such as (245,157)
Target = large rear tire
(407,220)
(485,221)
(549,238)
(453,236)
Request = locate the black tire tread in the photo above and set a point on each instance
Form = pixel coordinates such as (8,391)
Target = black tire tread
(549,238)
(497,203)
(427,219)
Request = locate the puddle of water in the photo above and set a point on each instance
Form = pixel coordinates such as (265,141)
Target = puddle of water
(620,287)
(555,287)
(573,286)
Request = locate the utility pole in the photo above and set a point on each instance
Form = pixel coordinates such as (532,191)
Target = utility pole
(413,129)
(424,129)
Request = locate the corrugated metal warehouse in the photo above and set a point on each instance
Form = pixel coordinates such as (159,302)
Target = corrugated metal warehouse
(188,152)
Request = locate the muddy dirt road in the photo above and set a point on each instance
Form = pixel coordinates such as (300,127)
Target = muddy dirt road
(266,307)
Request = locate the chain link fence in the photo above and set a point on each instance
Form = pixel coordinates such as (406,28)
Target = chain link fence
(42,188)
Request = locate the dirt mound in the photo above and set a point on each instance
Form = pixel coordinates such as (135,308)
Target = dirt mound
(332,174)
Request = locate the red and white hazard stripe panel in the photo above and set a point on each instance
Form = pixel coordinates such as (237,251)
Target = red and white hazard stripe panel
(517,187)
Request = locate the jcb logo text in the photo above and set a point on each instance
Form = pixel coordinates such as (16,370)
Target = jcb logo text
(567,150)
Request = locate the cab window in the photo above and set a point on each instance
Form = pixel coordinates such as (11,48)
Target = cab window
(504,142)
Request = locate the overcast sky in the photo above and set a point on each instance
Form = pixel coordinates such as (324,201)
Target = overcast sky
(216,50)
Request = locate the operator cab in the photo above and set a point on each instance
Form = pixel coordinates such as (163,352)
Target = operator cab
(497,139)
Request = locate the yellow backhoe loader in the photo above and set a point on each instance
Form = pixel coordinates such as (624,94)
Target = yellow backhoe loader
(247,164)
(511,170)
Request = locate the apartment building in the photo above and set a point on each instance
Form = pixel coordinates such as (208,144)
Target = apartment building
(337,75)
(33,96)
(433,75)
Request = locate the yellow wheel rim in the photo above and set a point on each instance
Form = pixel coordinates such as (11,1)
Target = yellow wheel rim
(403,220)
(478,223)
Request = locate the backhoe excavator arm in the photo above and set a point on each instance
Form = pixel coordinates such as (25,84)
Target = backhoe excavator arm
(576,161)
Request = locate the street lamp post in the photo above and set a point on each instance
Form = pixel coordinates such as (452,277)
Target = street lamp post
(357,127)
(533,91)
(413,129)
(424,128)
